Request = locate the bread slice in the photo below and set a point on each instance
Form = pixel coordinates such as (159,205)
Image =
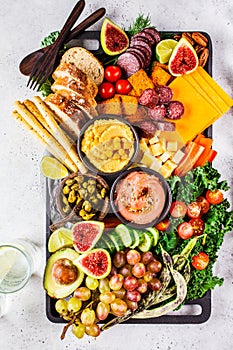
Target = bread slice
(67,114)
(75,77)
(86,61)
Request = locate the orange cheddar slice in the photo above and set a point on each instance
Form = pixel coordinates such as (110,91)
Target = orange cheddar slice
(204,102)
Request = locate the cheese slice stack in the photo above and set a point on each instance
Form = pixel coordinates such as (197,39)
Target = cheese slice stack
(204,102)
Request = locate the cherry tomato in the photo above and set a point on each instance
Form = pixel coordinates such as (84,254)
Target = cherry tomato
(163,225)
(205,205)
(185,230)
(123,87)
(198,226)
(106,90)
(178,209)
(112,73)
(214,197)
(200,261)
(194,210)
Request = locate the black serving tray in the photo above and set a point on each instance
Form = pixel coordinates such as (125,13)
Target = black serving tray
(192,312)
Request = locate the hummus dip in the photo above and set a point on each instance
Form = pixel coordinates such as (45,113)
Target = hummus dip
(140,197)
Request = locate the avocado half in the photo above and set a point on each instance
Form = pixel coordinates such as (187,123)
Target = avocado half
(54,289)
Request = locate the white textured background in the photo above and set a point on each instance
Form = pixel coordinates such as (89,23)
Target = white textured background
(23,24)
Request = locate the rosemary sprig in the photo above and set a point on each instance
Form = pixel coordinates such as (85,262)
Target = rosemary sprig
(140,23)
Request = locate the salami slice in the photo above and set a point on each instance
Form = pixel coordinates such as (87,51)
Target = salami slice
(148,36)
(139,54)
(147,128)
(165,126)
(175,110)
(146,53)
(158,112)
(142,41)
(139,37)
(149,98)
(165,94)
(129,63)
(154,33)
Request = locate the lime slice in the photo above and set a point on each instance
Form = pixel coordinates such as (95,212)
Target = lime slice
(52,168)
(164,50)
(61,238)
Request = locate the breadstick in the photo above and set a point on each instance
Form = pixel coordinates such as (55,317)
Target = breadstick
(67,162)
(57,132)
(35,111)
(43,133)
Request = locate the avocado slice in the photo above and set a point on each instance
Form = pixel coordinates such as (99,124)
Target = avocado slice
(58,289)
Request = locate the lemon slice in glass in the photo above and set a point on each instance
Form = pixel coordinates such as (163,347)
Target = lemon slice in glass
(52,168)
(164,50)
(61,238)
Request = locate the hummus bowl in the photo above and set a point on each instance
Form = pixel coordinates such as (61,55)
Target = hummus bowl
(140,197)
(108,145)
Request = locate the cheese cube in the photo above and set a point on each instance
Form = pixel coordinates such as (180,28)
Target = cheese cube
(143,145)
(163,143)
(178,156)
(165,156)
(147,159)
(156,165)
(172,146)
(167,168)
(153,140)
(156,149)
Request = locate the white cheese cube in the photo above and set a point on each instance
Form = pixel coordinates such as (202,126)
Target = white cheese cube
(167,168)
(143,145)
(153,140)
(147,159)
(156,149)
(156,165)
(172,146)
(165,156)
(163,143)
(178,156)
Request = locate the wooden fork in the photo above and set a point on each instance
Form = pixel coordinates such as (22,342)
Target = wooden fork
(45,65)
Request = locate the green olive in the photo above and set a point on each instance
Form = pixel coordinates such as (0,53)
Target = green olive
(103,193)
(72,197)
(66,189)
(66,209)
(95,201)
(87,206)
(65,200)
(75,187)
(91,189)
(82,212)
(82,192)
(92,181)
(79,199)
(79,178)
(88,216)
(85,184)
(70,182)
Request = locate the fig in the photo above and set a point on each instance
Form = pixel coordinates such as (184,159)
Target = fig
(183,59)
(113,39)
(86,234)
(95,263)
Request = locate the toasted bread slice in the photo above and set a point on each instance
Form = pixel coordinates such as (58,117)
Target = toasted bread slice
(140,82)
(86,61)
(75,77)
(67,114)
(110,106)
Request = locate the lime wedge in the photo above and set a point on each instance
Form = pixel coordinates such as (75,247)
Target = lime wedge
(164,50)
(61,238)
(52,168)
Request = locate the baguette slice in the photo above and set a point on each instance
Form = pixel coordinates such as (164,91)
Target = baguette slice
(86,61)
(76,78)
(67,114)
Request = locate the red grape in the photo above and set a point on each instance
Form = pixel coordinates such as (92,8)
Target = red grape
(133,257)
(130,283)
(133,295)
(139,270)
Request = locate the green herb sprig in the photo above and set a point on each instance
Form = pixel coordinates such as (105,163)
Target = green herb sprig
(140,23)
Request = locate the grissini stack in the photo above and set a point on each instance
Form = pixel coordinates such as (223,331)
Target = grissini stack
(44,127)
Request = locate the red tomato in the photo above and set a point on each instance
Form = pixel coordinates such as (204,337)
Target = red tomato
(205,205)
(178,209)
(112,73)
(198,226)
(194,210)
(200,261)
(214,197)
(106,90)
(123,87)
(163,225)
(185,230)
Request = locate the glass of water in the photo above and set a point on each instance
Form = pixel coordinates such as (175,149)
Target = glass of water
(18,261)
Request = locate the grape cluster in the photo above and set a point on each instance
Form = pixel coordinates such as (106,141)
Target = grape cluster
(132,275)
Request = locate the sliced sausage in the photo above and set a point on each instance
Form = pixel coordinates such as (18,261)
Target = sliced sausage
(165,94)
(158,112)
(147,128)
(140,55)
(149,98)
(146,53)
(154,33)
(140,40)
(129,63)
(148,36)
(165,126)
(175,110)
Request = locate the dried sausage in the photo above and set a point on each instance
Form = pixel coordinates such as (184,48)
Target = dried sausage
(149,98)
(175,110)
(139,54)
(148,128)
(154,33)
(129,63)
(165,94)
(158,112)
(165,126)
(147,54)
